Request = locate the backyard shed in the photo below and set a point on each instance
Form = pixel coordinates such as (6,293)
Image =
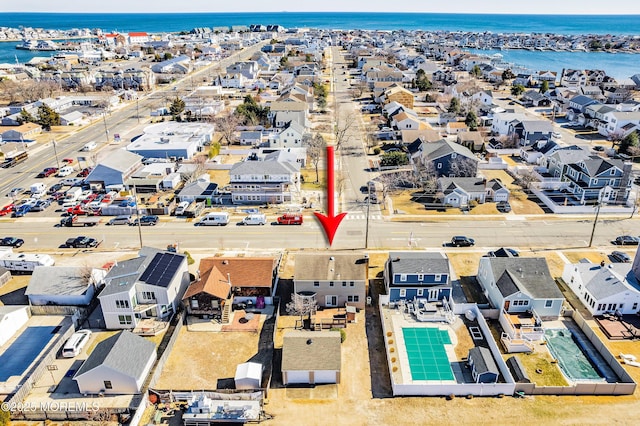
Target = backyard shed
(483,367)
(248,375)
(311,357)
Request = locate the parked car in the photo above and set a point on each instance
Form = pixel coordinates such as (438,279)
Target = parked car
(149,220)
(598,148)
(556,135)
(462,241)
(65,171)
(503,207)
(81,242)
(71,181)
(503,252)
(620,257)
(289,219)
(627,240)
(8,209)
(48,172)
(120,220)
(22,210)
(11,242)
(15,192)
(41,205)
(84,172)
(54,188)
(68,160)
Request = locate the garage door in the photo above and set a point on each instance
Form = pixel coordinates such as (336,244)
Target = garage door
(297,377)
(326,376)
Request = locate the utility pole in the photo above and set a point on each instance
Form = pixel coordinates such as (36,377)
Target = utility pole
(595,222)
(138,108)
(104,121)
(55,152)
(135,200)
(366,231)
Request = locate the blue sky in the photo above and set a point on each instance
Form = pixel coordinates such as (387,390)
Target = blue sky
(621,7)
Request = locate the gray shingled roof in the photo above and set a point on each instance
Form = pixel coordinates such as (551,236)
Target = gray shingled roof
(468,184)
(529,274)
(408,262)
(608,281)
(320,267)
(123,352)
(57,280)
(121,160)
(538,126)
(483,360)
(263,168)
(442,148)
(311,351)
(596,165)
(571,154)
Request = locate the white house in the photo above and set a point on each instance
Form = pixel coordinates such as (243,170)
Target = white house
(502,120)
(12,318)
(118,365)
(605,288)
(311,357)
(64,285)
(149,286)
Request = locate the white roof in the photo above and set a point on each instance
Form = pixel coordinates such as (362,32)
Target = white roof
(249,370)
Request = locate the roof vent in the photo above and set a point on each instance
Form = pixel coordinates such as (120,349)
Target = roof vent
(332,258)
(309,341)
(225,262)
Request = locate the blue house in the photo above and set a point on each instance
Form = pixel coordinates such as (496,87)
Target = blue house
(410,274)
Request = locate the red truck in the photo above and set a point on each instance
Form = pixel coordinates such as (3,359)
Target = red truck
(290,219)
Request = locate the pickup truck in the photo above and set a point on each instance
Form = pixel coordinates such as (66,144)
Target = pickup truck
(290,219)
(79,221)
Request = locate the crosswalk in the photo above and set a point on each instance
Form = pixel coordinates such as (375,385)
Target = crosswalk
(358,215)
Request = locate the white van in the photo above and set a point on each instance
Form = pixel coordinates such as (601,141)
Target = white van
(89,146)
(254,219)
(65,171)
(76,342)
(182,208)
(214,219)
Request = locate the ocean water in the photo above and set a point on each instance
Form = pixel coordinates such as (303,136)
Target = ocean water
(617,65)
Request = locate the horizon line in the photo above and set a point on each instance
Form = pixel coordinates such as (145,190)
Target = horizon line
(319,11)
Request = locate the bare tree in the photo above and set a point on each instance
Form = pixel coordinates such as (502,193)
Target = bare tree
(357,89)
(104,417)
(302,305)
(342,127)
(198,162)
(463,167)
(315,149)
(526,178)
(10,91)
(226,125)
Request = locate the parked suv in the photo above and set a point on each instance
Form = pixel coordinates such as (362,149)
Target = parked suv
(461,241)
(150,220)
(81,242)
(627,240)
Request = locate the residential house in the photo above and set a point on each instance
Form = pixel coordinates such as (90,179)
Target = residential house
(445,158)
(496,191)
(397,93)
(558,160)
(529,132)
(291,136)
(619,123)
(455,127)
(336,280)
(605,288)
(282,113)
(251,280)
(460,191)
(268,181)
(502,121)
(472,140)
(413,274)
(573,78)
(597,179)
(234,81)
(149,286)
(177,65)
(138,38)
(202,189)
(249,69)
(251,137)
(404,121)
(518,285)
(73,118)
(533,98)
(64,285)
(532,154)
(311,357)
(118,365)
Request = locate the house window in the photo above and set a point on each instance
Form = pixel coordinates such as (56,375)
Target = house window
(148,295)
(612,172)
(122,304)
(107,384)
(316,283)
(124,319)
(635,306)
(438,277)
(330,283)
(548,303)
(356,298)
(403,277)
(420,291)
(403,292)
(344,283)
(420,277)
(352,283)
(439,165)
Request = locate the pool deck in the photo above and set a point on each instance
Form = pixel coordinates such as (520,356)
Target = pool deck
(395,321)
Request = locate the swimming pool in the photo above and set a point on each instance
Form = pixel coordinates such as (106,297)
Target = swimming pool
(23,351)
(572,360)
(426,353)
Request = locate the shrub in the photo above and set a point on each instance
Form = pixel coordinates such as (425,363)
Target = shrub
(376,150)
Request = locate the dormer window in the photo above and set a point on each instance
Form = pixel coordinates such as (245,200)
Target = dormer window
(403,277)
(612,172)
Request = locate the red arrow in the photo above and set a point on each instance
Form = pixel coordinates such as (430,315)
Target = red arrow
(330,222)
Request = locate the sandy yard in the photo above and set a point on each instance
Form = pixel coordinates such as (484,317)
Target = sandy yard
(199,359)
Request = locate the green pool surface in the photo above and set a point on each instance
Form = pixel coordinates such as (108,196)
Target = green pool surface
(427,357)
